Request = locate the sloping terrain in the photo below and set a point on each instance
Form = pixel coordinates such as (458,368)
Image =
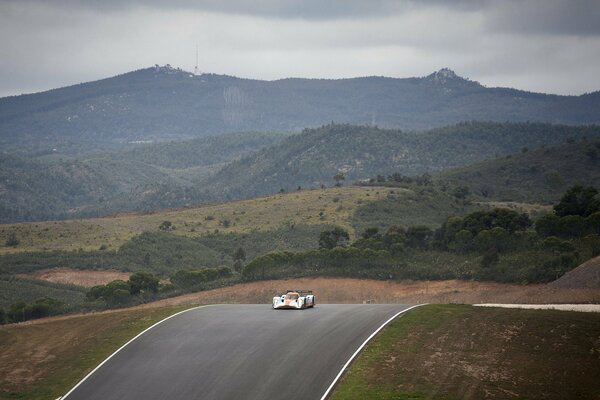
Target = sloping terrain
(163,103)
(536,175)
(361,152)
(148,177)
(464,352)
(236,166)
(587,275)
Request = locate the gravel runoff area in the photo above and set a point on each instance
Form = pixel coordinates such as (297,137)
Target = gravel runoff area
(561,307)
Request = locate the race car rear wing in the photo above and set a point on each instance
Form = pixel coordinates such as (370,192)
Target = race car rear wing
(300,291)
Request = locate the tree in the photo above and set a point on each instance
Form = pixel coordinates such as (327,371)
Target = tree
(490,257)
(143,282)
(166,226)
(12,240)
(461,192)
(578,200)
(548,225)
(372,232)
(332,238)
(418,236)
(338,178)
(238,259)
(2,316)
(463,241)
(592,223)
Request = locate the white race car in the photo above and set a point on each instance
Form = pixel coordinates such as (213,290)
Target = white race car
(296,299)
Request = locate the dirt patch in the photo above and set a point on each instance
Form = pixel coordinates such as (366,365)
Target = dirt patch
(352,291)
(347,290)
(561,307)
(77,277)
(587,275)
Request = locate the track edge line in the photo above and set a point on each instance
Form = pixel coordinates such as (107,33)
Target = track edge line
(127,343)
(367,340)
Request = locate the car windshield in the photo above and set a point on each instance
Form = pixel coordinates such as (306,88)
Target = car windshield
(291,296)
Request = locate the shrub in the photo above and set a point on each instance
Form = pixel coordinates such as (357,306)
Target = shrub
(20,311)
(578,200)
(418,236)
(141,282)
(557,245)
(166,226)
(186,278)
(333,238)
(12,240)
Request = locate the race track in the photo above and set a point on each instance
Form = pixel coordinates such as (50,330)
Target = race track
(246,352)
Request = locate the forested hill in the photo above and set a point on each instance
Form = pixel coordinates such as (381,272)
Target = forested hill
(360,152)
(237,166)
(163,103)
(541,175)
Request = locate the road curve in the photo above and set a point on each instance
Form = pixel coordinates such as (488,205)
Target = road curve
(238,352)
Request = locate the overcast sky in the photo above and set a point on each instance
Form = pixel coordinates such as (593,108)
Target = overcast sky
(540,45)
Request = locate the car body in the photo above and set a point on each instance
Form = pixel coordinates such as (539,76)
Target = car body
(294,299)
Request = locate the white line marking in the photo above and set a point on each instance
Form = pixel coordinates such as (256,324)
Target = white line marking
(125,345)
(339,375)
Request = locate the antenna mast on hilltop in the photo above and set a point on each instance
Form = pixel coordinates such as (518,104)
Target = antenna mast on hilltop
(196,70)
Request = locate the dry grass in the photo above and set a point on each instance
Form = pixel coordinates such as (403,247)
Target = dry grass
(529,208)
(463,352)
(263,213)
(347,290)
(77,277)
(43,360)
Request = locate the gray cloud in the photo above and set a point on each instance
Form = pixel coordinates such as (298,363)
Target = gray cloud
(548,46)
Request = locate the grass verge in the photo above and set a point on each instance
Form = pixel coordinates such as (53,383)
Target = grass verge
(44,360)
(464,352)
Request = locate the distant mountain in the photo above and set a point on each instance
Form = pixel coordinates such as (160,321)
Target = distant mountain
(163,103)
(541,175)
(360,152)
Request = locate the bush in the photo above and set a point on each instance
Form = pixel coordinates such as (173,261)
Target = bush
(12,240)
(592,223)
(557,245)
(333,238)
(20,311)
(187,278)
(548,225)
(141,282)
(166,226)
(418,236)
(115,292)
(578,200)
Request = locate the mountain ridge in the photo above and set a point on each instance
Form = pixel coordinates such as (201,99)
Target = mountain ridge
(163,103)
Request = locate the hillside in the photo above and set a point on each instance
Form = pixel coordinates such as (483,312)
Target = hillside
(245,165)
(163,103)
(313,157)
(587,275)
(540,175)
(146,178)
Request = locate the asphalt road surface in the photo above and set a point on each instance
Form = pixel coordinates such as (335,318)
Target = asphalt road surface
(246,352)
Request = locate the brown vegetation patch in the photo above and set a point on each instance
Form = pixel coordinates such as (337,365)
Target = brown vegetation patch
(348,290)
(87,278)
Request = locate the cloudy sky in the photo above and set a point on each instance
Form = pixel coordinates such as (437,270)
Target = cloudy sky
(548,46)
